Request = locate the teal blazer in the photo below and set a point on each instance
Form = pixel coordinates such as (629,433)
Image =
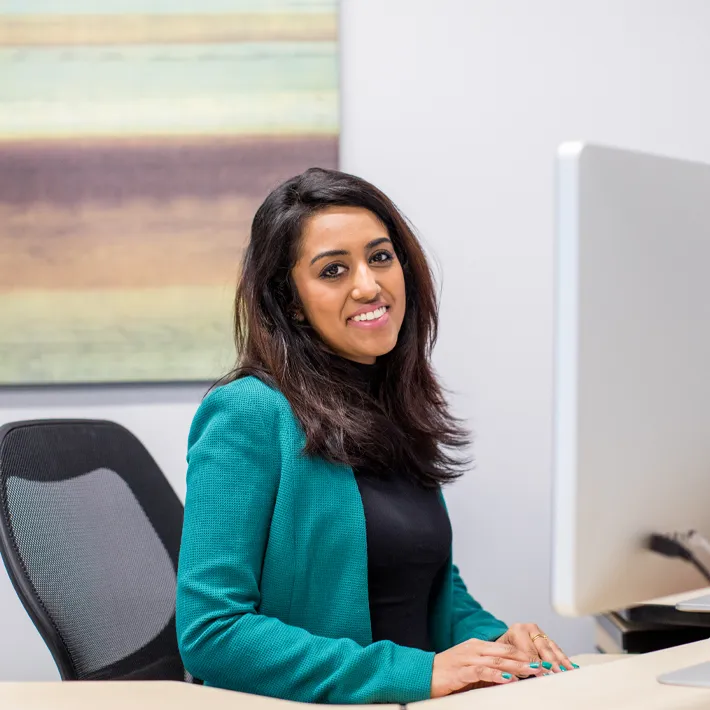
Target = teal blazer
(272,595)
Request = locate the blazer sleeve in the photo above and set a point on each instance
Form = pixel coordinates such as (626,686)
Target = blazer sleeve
(469,618)
(232,481)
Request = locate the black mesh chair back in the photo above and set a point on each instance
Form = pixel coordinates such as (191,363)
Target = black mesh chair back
(89,533)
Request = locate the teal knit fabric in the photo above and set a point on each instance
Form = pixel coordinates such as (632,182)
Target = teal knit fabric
(272,595)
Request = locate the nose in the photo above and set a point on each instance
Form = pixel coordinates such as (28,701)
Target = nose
(365,286)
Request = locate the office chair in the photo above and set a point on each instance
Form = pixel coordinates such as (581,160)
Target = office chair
(89,533)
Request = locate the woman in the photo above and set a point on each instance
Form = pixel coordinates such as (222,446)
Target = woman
(316,556)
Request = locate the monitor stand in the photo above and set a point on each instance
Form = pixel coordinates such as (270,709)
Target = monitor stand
(694,548)
(692,676)
(701,604)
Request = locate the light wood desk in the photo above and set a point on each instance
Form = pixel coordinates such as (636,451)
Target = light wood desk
(602,683)
(627,683)
(138,695)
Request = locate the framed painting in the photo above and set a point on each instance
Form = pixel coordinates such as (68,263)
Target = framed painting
(137,140)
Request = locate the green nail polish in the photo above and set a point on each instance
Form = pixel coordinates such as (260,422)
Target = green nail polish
(534,665)
(574,665)
(563,669)
(547,665)
(547,674)
(507,676)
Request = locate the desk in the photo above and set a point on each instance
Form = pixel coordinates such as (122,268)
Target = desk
(601,683)
(137,695)
(627,683)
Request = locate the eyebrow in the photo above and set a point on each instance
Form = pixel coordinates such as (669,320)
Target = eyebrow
(343,252)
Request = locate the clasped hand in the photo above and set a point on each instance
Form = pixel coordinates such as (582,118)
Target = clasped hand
(523,651)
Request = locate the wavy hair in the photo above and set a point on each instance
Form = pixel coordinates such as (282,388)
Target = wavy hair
(403,427)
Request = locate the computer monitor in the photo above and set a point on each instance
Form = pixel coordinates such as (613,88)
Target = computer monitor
(631,451)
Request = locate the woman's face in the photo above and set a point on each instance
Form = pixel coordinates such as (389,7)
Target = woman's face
(350,283)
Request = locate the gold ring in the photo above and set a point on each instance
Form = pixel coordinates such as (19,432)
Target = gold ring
(538,636)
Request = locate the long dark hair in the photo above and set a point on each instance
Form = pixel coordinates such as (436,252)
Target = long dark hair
(403,427)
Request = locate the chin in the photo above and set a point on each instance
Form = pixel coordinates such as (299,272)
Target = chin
(372,349)
(379,352)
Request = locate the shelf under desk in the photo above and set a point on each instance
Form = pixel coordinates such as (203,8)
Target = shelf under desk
(663,611)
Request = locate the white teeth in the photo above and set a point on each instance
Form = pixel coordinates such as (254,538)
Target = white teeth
(372,315)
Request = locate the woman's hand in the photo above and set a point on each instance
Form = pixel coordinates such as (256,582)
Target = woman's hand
(531,641)
(475,661)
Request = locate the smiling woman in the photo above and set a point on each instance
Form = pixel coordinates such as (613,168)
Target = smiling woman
(316,561)
(350,283)
(326,247)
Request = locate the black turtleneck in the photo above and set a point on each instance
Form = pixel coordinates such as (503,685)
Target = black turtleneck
(408,545)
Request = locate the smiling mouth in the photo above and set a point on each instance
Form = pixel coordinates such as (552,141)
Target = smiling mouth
(370,316)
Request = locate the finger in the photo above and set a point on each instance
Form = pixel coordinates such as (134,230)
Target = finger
(547,654)
(486,674)
(539,640)
(517,668)
(522,639)
(562,659)
(502,650)
(497,653)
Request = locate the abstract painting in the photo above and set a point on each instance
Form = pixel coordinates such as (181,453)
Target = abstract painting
(137,139)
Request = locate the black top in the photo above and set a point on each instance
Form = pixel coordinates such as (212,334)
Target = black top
(408,546)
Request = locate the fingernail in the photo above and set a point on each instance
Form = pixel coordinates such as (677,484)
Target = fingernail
(574,665)
(547,665)
(534,665)
(507,676)
(563,669)
(547,674)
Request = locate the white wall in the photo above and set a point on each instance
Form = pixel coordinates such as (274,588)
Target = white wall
(455,107)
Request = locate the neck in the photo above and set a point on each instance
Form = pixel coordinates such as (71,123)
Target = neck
(371,360)
(368,375)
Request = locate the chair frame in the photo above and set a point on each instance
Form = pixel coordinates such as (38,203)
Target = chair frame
(18,574)
(10,552)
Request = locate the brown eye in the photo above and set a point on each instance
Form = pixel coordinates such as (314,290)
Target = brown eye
(381,257)
(331,271)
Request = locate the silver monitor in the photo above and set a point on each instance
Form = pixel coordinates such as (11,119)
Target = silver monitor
(632,374)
